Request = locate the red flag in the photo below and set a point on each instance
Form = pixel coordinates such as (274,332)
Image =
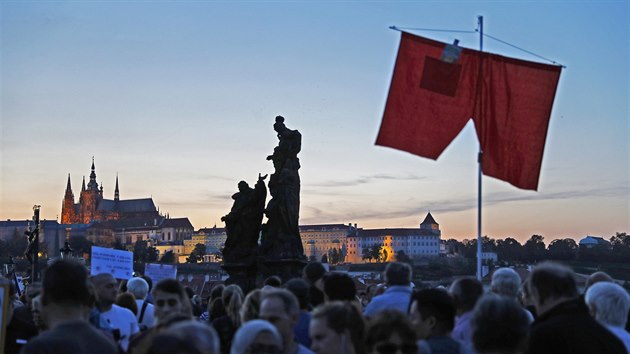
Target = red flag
(431,100)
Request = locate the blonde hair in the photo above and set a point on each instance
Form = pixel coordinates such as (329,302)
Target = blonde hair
(251,306)
(233,301)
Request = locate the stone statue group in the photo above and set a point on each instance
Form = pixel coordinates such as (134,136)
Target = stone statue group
(280,237)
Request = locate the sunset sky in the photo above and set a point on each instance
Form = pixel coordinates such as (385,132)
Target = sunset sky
(179,99)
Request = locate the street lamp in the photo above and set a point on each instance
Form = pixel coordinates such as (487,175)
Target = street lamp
(66,251)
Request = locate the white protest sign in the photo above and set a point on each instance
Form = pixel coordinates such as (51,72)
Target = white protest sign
(158,272)
(115,262)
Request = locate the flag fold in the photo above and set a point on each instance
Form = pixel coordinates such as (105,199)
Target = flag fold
(431,100)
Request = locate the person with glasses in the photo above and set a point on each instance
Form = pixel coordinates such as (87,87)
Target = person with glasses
(390,332)
(257,337)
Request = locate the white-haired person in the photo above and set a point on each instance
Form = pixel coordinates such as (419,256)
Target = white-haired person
(506,282)
(609,303)
(140,289)
(255,337)
(187,336)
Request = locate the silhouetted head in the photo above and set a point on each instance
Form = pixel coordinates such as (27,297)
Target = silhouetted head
(390,331)
(596,278)
(273,281)
(466,291)
(339,286)
(66,283)
(313,271)
(499,325)
(279,126)
(397,273)
(299,288)
(243,186)
(552,280)
(432,312)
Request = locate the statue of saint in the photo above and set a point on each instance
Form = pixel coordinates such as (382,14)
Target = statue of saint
(281,236)
(289,145)
(243,222)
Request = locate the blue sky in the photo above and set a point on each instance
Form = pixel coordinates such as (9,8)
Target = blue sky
(179,99)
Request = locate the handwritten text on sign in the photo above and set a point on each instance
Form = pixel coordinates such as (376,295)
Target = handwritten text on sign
(115,262)
(158,272)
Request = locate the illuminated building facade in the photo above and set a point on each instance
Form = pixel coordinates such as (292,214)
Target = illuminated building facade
(93,207)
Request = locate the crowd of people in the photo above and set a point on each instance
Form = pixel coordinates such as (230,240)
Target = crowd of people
(71,312)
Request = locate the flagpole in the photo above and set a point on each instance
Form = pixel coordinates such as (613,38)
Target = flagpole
(479,158)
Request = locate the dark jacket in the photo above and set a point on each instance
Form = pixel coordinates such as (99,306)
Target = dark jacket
(225,329)
(569,328)
(18,331)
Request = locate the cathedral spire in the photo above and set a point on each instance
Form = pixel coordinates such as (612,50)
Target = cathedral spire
(83,186)
(68,186)
(68,215)
(92,185)
(116,192)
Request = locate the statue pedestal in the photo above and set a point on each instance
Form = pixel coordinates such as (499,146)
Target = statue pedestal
(244,275)
(286,269)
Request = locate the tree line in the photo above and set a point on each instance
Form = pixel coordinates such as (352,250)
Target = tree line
(508,250)
(81,246)
(535,249)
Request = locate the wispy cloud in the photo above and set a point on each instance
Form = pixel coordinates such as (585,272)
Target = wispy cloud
(215,177)
(367,179)
(383,212)
(455,205)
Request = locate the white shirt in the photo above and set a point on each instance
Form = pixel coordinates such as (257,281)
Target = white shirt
(124,320)
(620,333)
(148,319)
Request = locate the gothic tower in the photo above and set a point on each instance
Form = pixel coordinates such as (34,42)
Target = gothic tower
(82,191)
(90,198)
(93,207)
(116,192)
(68,214)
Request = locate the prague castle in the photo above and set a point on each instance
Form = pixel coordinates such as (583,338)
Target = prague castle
(93,207)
